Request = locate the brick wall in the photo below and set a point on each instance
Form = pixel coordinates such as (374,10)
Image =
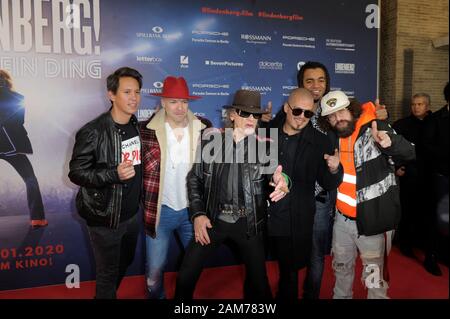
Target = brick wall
(409,63)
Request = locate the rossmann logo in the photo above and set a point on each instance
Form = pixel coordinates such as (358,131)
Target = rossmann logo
(261,89)
(255,37)
(214,33)
(269,65)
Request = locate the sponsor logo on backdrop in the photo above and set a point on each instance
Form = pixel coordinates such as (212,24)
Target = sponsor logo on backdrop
(148,59)
(184,61)
(157,33)
(270,65)
(256,39)
(213,37)
(337,44)
(224,63)
(207,89)
(287,89)
(295,41)
(261,89)
(214,33)
(300,64)
(344,68)
(157,87)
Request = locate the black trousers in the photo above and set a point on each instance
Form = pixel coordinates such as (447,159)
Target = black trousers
(114,251)
(288,278)
(23,166)
(251,250)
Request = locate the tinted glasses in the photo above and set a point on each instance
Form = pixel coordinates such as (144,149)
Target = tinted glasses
(298,111)
(245,114)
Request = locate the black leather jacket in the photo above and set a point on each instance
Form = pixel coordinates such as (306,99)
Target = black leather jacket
(96,154)
(204,191)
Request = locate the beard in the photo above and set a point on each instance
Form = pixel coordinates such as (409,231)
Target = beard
(345,131)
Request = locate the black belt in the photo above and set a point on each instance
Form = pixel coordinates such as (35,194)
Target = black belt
(346,217)
(232,210)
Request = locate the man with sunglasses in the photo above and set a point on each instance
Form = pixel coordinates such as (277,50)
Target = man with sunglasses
(304,154)
(314,77)
(228,190)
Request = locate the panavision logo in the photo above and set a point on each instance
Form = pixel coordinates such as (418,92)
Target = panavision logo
(215,33)
(268,65)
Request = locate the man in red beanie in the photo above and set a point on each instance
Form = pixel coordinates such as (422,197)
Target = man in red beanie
(169,141)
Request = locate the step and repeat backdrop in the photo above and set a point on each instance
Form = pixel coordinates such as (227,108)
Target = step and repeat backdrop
(59,53)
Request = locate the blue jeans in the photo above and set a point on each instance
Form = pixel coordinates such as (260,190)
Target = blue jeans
(321,245)
(157,248)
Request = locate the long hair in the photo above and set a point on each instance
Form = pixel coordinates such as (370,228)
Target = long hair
(354,109)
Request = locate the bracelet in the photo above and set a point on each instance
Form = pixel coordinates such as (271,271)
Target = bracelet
(288,180)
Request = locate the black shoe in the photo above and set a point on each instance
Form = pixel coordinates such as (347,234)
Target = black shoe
(407,251)
(432,266)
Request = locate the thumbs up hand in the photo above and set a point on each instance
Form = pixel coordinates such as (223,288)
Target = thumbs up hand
(380,110)
(381,137)
(332,161)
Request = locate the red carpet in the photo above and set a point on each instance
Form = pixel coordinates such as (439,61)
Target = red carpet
(409,280)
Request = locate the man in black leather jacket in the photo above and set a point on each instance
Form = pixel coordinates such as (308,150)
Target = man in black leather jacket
(227,190)
(106,164)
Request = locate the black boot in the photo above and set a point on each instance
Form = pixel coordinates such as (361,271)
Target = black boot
(431,265)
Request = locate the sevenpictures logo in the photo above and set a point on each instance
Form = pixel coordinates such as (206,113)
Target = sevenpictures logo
(224,63)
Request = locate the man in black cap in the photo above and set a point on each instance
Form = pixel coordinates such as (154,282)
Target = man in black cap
(227,191)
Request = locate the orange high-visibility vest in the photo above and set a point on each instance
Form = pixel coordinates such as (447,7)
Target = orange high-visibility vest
(346,195)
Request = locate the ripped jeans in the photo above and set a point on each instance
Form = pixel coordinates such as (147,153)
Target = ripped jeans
(345,246)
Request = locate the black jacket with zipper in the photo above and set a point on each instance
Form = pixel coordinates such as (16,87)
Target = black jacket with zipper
(96,154)
(204,187)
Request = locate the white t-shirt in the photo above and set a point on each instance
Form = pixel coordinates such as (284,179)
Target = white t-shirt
(177,167)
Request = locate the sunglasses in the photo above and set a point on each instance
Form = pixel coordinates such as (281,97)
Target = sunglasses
(245,114)
(298,111)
